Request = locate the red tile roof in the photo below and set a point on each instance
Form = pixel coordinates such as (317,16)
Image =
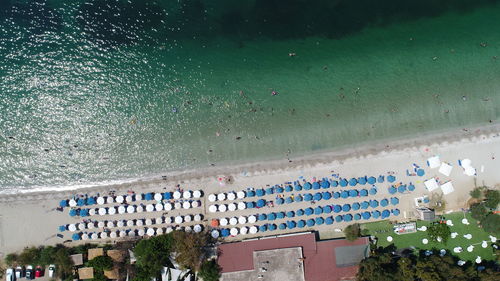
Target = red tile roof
(319,263)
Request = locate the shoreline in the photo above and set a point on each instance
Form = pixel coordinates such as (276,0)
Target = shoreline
(363,150)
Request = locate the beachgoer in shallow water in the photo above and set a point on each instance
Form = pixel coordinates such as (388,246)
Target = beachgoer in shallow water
(274,93)
(292,54)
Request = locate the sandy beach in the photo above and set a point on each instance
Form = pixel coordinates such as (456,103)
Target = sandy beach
(30,218)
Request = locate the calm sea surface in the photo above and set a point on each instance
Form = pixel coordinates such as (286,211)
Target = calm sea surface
(93,91)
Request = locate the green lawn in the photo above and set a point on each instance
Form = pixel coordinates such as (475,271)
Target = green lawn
(415,239)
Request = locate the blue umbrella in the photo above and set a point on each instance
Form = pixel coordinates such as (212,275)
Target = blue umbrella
(72,212)
(299,212)
(337,208)
(347,217)
(224,232)
(262,217)
(363,192)
(402,188)
(353,193)
(344,194)
(260,192)
(148,196)
(263,228)
(62,228)
(366,215)
(343,182)
(392,190)
(371,180)
(261,203)
(386,214)
(334,183)
(325,184)
(288,188)
(373,191)
(329,220)
(327,209)
(250,205)
(272,227)
(308,197)
(84,213)
(76,236)
(317,196)
(353,182)
(391,178)
(298,187)
(307,186)
(346,208)
(316,185)
(336,195)
(319,220)
(326,195)
(291,224)
(91,201)
(290,214)
(362,180)
(298,198)
(365,205)
(280,201)
(282,226)
(395,212)
(357,217)
(280,215)
(318,210)
(271,216)
(339,218)
(376,214)
(384,202)
(310,222)
(63,203)
(167,195)
(426,200)
(301,223)
(309,211)
(420,172)
(411,187)
(374,203)
(394,201)
(355,206)
(269,191)
(250,193)
(288,200)
(279,189)
(380,179)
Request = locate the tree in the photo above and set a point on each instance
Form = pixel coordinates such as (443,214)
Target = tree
(437,202)
(352,232)
(101,263)
(47,255)
(478,211)
(210,271)
(439,230)
(29,256)
(407,268)
(152,254)
(491,223)
(189,248)
(492,199)
(11,259)
(476,193)
(63,262)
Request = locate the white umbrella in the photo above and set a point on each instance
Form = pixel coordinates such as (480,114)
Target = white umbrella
(222,208)
(234,231)
(139,222)
(139,209)
(244,230)
(231,196)
(493,239)
(449,222)
(110,200)
(110,224)
(231,207)
(102,211)
(159,220)
(150,208)
(177,205)
(188,229)
(72,227)
(131,233)
(484,244)
(129,199)
(159,231)
(195,204)
(130,209)
(468,236)
(101,224)
(103,235)
(148,222)
(169,229)
(150,232)
(81,226)
(121,210)
(242,220)
(212,197)
(242,206)
(72,203)
(212,208)
(478,259)
(197,194)
(167,206)
(197,217)
(389,238)
(186,194)
(113,234)
(85,236)
(186,205)
(120,224)
(454,234)
(465,221)
(197,228)
(112,210)
(177,195)
(130,223)
(470,248)
(158,196)
(241,195)
(221,196)
(140,232)
(178,219)
(159,207)
(215,233)
(425,241)
(253,230)
(122,233)
(168,219)
(92,212)
(90,225)
(252,219)
(188,218)
(94,236)
(457,249)
(423,228)
(223,221)
(119,199)
(100,200)
(233,221)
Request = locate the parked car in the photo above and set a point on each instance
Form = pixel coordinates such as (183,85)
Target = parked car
(38,271)
(52,269)
(19,272)
(9,274)
(30,274)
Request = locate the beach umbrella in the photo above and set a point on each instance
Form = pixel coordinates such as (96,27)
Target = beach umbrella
(371,180)
(94,236)
(250,205)
(362,180)
(244,230)
(347,217)
(85,236)
(376,214)
(318,210)
(291,224)
(402,188)
(280,201)
(327,209)
(411,187)
(263,228)
(373,203)
(307,186)
(394,201)
(316,185)
(353,182)
(261,203)
(260,192)
(101,224)
(195,204)
(363,192)
(310,222)
(92,212)
(187,194)
(339,218)
(111,210)
(221,196)
(380,179)
(197,194)
(280,215)
(334,183)
(391,178)
(110,224)
(223,222)
(392,190)
(150,208)
(75,236)
(395,212)
(241,206)
(279,189)
(420,172)
(355,206)
(309,211)
(326,195)
(120,223)
(109,200)
(103,235)
(319,221)
(149,196)
(288,188)
(233,221)
(141,232)
(178,219)
(222,208)
(84,212)
(357,217)
(297,187)
(299,212)
(301,223)
(317,196)
(344,194)
(288,200)
(197,228)
(148,221)
(72,227)
(298,198)
(346,208)
(385,214)
(158,196)
(252,219)
(282,226)
(113,234)
(353,193)
(242,220)
(365,205)
(269,191)
(102,211)
(384,202)
(343,182)
(63,203)
(250,193)
(139,222)
(271,216)
(329,220)
(373,191)
(262,217)
(167,206)
(122,233)
(131,233)
(120,199)
(197,217)
(215,233)
(212,198)
(366,215)
(337,208)
(167,195)
(253,230)
(325,184)
(72,203)
(62,228)
(139,209)
(336,195)
(129,198)
(272,227)
(169,229)
(185,205)
(231,196)
(177,195)
(130,223)
(80,202)
(241,194)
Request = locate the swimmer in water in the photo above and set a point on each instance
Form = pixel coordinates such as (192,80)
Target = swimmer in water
(274,93)
(174,109)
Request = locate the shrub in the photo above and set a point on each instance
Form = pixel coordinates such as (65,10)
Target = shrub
(439,230)
(478,211)
(491,223)
(101,263)
(352,232)
(492,199)
(210,271)
(476,193)
(11,259)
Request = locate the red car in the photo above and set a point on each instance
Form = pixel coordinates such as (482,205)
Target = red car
(38,271)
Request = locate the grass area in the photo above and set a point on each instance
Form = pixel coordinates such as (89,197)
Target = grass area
(383,229)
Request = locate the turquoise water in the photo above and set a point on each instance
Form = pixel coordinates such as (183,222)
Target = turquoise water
(92,92)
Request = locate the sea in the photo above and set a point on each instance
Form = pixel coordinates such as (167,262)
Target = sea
(93,92)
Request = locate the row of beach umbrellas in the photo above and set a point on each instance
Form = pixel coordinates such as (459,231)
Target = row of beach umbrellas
(401,188)
(134,208)
(133,232)
(231,196)
(227,207)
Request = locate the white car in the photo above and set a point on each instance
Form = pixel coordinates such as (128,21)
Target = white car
(9,274)
(52,269)
(19,272)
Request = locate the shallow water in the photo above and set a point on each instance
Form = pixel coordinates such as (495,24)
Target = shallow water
(91,92)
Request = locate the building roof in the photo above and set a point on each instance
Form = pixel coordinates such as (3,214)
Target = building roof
(86,273)
(95,252)
(320,258)
(427,214)
(77,259)
(116,255)
(112,274)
